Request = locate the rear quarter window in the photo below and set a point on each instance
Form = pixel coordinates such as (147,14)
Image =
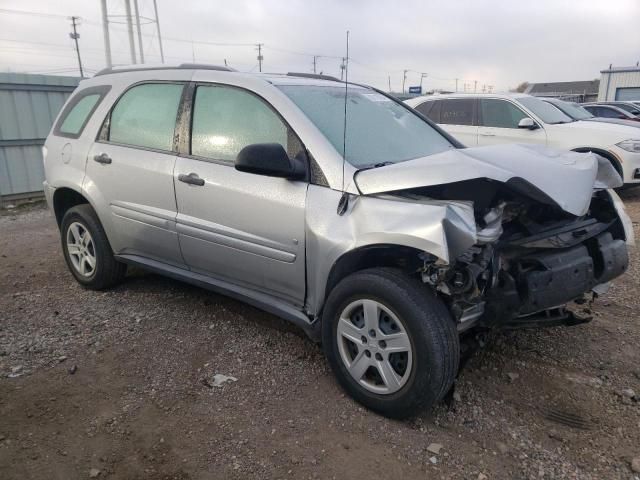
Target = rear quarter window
(78,111)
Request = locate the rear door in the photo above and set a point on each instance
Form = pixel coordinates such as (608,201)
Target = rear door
(130,172)
(240,227)
(458,117)
(498,123)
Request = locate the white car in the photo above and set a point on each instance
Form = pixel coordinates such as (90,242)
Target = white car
(489,119)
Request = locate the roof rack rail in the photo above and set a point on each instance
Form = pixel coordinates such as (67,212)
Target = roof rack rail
(182,66)
(318,76)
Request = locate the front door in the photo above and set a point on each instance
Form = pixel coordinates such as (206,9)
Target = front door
(243,228)
(498,123)
(130,173)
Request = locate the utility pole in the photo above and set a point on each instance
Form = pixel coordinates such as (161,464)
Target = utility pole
(404,78)
(137,12)
(422,75)
(315,57)
(475,86)
(342,67)
(75,35)
(260,57)
(389,83)
(132,45)
(456,85)
(105,33)
(155,9)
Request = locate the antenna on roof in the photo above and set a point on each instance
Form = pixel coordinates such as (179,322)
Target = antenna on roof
(344,130)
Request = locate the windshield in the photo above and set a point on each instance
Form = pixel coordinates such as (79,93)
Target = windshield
(544,111)
(379,130)
(574,110)
(628,108)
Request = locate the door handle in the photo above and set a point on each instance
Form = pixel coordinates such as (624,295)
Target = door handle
(191,179)
(487,134)
(102,158)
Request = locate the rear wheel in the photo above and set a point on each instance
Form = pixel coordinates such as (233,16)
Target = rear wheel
(390,341)
(87,250)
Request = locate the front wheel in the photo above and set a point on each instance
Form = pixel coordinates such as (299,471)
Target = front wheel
(390,341)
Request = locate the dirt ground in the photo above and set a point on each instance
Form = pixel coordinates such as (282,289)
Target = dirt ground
(119,385)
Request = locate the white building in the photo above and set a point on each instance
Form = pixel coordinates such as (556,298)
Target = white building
(619,83)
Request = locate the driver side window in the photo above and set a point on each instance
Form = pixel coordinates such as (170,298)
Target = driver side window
(500,113)
(227,119)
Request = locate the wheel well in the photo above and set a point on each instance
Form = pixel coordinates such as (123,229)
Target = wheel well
(398,256)
(64,199)
(603,153)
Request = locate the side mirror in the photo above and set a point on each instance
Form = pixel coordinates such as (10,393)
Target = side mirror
(270,159)
(528,123)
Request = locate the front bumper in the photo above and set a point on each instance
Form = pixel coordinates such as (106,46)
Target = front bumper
(630,163)
(548,279)
(560,277)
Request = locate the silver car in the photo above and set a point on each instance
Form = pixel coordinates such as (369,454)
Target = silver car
(335,207)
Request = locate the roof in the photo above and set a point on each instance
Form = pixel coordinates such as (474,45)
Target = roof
(576,88)
(417,100)
(635,68)
(275,78)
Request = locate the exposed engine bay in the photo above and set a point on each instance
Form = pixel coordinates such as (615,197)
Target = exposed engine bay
(531,257)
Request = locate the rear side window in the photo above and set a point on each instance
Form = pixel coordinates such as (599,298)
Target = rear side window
(78,111)
(145,116)
(227,119)
(500,113)
(457,112)
(425,108)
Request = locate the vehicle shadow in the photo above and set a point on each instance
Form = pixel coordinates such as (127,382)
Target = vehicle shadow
(139,281)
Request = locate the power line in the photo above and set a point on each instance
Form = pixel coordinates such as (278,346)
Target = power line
(313,56)
(9,11)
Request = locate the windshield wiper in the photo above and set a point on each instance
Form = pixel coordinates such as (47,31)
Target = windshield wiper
(375,165)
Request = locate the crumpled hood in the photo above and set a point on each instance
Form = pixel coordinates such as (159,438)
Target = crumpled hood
(567,178)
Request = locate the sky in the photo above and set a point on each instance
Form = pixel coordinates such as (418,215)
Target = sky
(481,43)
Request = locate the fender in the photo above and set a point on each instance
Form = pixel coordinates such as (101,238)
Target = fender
(442,229)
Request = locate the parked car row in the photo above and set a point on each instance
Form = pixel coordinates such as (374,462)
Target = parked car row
(579,112)
(619,110)
(342,210)
(489,119)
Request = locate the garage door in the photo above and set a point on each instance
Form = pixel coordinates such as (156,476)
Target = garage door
(631,93)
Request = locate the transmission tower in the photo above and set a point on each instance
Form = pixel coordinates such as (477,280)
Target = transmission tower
(128,19)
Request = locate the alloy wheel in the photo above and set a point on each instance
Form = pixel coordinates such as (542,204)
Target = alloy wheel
(81,249)
(374,346)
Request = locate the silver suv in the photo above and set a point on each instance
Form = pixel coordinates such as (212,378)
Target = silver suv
(335,207)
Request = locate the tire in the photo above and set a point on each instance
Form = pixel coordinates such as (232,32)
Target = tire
(433,348)
(89,258)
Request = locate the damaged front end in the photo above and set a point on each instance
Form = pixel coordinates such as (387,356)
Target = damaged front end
(523,275)
(531,257)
